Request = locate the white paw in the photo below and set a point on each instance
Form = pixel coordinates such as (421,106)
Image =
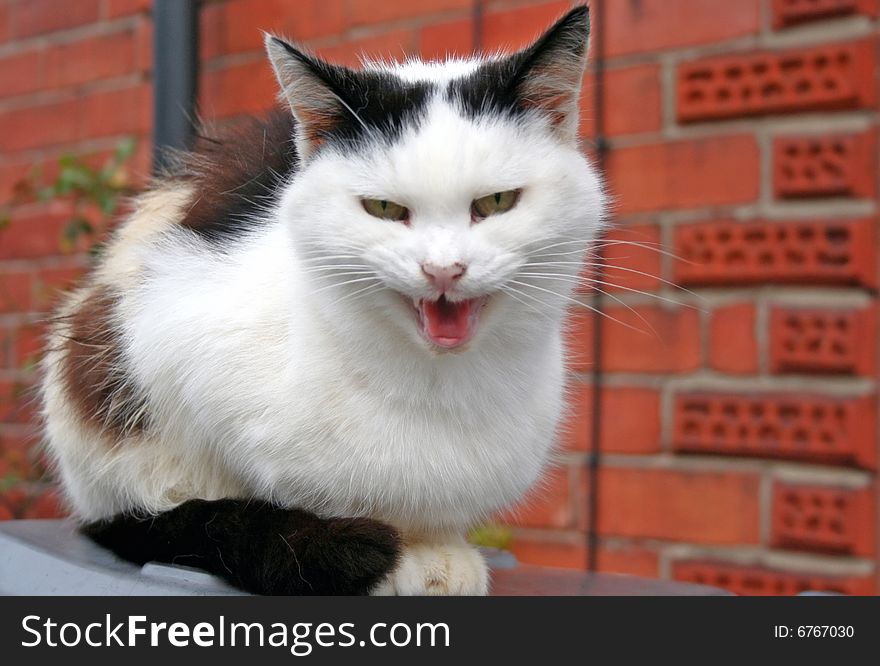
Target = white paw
(437,570)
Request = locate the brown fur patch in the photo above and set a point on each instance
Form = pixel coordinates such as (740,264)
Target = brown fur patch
(235,174)
(94,369)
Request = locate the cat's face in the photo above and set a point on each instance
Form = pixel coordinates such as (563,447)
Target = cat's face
(449,202)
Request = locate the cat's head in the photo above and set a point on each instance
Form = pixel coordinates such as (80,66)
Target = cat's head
(447,202)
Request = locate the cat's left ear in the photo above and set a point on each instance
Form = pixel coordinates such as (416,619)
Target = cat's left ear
(550,71)
(313,88)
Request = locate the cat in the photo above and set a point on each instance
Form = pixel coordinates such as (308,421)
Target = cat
(321,347)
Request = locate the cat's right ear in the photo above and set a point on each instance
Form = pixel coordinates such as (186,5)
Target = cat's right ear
(307,86)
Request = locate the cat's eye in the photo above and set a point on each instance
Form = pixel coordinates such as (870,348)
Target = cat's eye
(493,204)
(386,210)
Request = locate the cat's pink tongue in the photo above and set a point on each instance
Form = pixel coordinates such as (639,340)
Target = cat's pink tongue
(448,324)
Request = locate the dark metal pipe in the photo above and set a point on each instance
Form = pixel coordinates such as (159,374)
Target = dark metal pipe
(175,75)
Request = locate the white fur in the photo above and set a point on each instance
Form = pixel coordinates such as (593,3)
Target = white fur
(265,378)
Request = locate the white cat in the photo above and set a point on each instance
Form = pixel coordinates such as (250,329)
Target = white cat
(341,311)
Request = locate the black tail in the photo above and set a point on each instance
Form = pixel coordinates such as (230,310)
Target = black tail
(258,547)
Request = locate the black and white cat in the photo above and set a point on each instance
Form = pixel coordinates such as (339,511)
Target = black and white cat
(321,348)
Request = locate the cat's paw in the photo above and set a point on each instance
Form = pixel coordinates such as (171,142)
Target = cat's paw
(437,570)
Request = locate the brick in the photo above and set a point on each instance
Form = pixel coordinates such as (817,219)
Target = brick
(45,505)
(371,13)
(633,100)
(113,112)
(651,339)
(143,45)
(824,519)
(49,284)
(117,8)
(839,252)
(512,29)
(38,126)
(830,77)
(28,346)
(696,506)
(579,334)
(15,455)
(439,41)
(809,428)
(37,17)
(570,554)
(684,174)
(16,402)
(8,400)
(13,182)
(390,46)
(823,340)
(91,59)
(652,25)
(14,501)
(631,257)
(762,581)
(627,560)
(15,291)
(820,166)
(7,341)
(793,12)
(733,347)
(21,73)
(238,89)
(549,504)
(4,22)
(237,26)
(35,234)
(621,433)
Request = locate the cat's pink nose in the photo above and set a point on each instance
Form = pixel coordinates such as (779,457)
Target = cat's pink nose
(443,277)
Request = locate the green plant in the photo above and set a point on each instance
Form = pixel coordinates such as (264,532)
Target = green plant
(89,190)
(491,536)
(84,186)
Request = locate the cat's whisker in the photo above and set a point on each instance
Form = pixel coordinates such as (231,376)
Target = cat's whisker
(336,267)
(363,292)
(566,278)
(578,303)
(586,264)
(647,246)
(511,291)
(346,282)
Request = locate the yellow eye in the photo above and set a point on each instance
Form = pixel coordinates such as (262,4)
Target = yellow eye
(386,210)
(493,204)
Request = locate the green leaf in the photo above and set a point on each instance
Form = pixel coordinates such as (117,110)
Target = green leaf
(124,149)
(491,536)
(75,228)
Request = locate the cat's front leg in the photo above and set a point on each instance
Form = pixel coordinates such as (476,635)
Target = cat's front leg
(437,568)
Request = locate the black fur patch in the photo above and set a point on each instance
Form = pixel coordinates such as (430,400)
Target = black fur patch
(258,547)
(498,86)
(374,104)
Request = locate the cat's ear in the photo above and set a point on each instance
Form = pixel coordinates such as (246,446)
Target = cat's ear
(550,71)
(310,87)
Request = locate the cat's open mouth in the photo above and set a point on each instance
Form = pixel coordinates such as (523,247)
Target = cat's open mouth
(448,324)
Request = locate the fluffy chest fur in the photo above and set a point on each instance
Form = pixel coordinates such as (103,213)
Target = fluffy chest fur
(312,419)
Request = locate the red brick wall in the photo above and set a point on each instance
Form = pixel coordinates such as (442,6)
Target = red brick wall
(739,428)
